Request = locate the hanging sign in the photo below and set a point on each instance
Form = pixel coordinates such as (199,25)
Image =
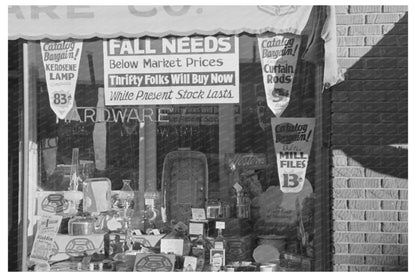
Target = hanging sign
(278,55)
(246,160)
(184,70)
(61,63)
(48,226)
(292,142)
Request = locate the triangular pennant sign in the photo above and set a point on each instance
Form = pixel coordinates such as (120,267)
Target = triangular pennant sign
(279,56)
(292,142)
(61,63)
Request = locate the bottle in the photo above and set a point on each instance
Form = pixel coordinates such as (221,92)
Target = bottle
(150,213)
(219,242)
(126,194)
(199,251)
(216,263)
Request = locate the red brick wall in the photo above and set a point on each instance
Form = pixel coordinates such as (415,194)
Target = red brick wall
(369,140)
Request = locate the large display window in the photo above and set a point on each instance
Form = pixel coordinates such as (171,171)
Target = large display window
(209,141)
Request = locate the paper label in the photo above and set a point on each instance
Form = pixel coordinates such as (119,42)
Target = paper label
(220,225)
(174,246)
(292,141)
(189,263)
(47,229)
(217,257)
(196,228)
(218,245)
(166,71)
(237,187)
(198,214)
(149,202)
(279,56)
(61,63)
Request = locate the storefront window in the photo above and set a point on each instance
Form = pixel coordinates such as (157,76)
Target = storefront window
(185,155)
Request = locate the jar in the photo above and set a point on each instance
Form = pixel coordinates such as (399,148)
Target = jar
(213,209)
(225,210)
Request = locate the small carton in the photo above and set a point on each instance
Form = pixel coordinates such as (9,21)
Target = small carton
(66,246)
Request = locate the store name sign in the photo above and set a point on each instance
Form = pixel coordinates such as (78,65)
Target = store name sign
(171,71)
(88,12)
(89,114)
(78,12)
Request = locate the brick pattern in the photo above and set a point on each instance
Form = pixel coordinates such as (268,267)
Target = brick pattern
(369,140)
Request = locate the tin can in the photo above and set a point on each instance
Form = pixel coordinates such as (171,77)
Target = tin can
(243,211)
(229,268)
(268,267)
(225,210)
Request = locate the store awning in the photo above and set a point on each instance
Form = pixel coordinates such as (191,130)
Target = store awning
(59,22)
(83,22)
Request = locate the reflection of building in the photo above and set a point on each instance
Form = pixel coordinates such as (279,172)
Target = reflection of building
(361,119)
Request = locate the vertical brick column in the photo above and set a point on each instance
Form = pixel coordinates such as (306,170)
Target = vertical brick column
(369,140)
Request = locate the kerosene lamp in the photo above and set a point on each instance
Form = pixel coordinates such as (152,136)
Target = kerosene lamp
(126,197)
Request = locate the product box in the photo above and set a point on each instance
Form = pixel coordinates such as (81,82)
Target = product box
(51,202)
(154,262)
(97,195)
(239,248)
(66,246)
(145,240)
(296,262)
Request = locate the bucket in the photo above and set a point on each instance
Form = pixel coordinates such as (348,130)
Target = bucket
(277,241)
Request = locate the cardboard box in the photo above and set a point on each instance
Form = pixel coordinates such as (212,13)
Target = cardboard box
(146,240)
(154,262)
(239,248)
(66,246)
(51,202)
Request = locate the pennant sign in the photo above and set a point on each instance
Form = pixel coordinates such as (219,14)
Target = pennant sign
(61,63)
(278,55)
(292,142)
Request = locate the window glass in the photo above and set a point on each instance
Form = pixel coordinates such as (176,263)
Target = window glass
(190,128)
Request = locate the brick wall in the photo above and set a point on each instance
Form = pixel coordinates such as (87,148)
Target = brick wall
(369,140)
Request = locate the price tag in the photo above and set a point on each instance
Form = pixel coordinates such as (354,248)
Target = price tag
(237,187)
(174,246)
(149,202)
(137,232)
(198,214)
(196,228)
(220,225)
